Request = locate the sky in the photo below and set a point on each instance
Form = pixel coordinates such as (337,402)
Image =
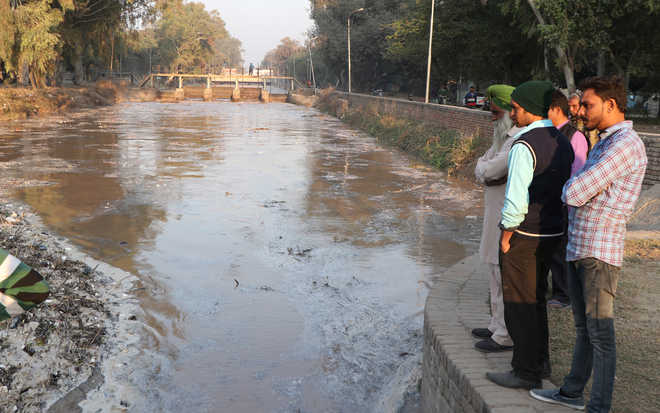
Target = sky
(261,24)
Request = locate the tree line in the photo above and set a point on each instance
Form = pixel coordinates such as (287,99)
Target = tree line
(42,39)
(486,41)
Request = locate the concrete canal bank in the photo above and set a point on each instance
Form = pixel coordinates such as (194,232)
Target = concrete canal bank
(453,379)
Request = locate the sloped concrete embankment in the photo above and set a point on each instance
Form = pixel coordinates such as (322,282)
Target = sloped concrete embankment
(453,376)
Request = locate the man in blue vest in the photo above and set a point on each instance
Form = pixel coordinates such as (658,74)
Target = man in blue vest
(532,224)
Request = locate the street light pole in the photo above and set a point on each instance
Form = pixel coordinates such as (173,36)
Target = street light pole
(428,66)
(311,63)
(348,25)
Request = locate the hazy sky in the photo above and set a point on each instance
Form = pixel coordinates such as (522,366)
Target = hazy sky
(260,24)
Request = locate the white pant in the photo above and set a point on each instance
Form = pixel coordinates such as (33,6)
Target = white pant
(497,325)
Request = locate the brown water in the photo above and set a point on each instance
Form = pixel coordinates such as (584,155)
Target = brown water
(284,258)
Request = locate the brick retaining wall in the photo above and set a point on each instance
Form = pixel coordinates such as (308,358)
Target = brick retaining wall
(467,121)
(652,142)
(453,372)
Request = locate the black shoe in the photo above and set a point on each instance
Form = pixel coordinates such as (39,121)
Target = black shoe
(491,346)
(510,380)
(481,333)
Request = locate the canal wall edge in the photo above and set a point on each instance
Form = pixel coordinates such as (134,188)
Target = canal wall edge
(453,372)
(469,122)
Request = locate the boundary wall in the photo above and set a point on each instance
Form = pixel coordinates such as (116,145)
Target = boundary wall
(467,121)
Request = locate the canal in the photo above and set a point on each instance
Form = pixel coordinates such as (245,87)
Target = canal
(283,257)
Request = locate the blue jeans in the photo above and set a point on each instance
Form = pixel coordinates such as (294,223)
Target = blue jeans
(592,288)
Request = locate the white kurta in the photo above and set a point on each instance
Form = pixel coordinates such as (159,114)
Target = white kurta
(493,165)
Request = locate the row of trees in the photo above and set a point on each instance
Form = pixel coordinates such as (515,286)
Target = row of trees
(41,39)
(486,41)
(284,56)
(183,36)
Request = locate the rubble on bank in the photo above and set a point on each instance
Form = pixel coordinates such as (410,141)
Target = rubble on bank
(49,350)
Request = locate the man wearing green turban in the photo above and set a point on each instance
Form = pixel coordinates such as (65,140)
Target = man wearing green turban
(491,170)
(500,97)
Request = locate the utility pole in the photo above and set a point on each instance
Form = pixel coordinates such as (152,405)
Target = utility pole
(428,66)
(348,21)
(311,63)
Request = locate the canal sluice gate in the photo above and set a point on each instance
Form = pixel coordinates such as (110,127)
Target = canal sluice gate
(282,258)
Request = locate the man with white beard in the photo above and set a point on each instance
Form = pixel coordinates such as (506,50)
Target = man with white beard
(491,171)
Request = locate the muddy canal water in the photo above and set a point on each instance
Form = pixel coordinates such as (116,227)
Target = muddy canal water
(284,258)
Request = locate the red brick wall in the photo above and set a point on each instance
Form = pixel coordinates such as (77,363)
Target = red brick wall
(468,121)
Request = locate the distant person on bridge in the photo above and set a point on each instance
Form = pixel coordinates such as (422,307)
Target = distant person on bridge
(602,196)
(558,114)
(251,69)
(532,225)
(491,171)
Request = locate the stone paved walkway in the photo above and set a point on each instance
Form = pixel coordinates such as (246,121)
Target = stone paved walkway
(453,371)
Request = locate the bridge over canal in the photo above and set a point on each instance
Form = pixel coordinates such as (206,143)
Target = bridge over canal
(211,86)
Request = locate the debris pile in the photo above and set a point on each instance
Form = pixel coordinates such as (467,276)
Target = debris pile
(50,349)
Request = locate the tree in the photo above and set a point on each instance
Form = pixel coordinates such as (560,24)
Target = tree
(228,51)
(607,29)
(471,40)
(281,55)
(36,40)
(189,37)
(369,31)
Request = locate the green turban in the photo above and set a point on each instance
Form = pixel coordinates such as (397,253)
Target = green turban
(534,96)
(500,95)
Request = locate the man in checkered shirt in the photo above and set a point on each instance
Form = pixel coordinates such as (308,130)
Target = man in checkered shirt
(601,198)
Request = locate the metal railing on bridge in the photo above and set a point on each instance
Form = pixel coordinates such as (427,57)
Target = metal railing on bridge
(283,82)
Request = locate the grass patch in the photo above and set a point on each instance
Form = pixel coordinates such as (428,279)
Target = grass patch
(442,148)
(637,323)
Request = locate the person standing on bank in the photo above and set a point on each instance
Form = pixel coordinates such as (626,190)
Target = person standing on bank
(532,225)
(558,114)
(574,108)
(602,196)
(491,170)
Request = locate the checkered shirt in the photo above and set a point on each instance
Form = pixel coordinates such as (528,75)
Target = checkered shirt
(603,195)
